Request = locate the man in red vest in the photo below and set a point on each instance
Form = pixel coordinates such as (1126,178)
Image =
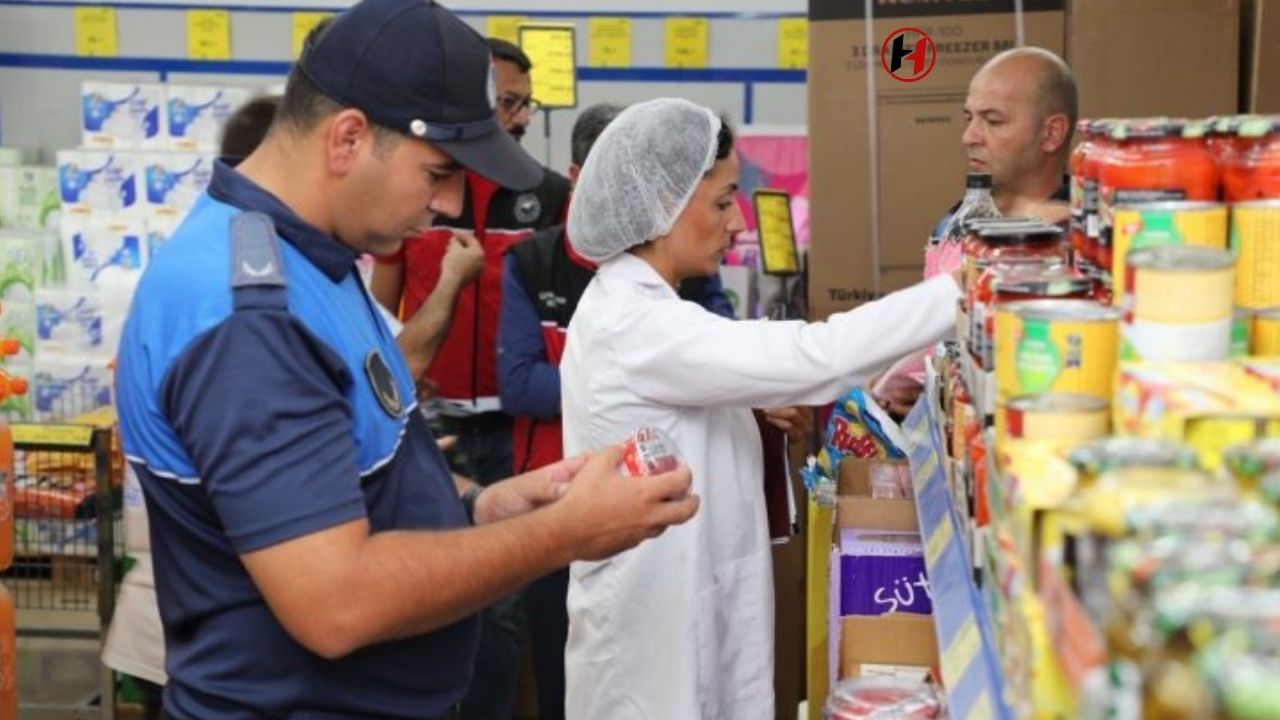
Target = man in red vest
(463,370)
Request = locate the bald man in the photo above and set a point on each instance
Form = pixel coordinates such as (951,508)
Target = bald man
(1019,116)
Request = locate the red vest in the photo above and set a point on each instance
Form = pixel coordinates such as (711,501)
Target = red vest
(465,365)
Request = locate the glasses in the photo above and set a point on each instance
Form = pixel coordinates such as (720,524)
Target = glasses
(513,104)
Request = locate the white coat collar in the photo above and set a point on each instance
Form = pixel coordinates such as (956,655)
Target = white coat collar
(632,270)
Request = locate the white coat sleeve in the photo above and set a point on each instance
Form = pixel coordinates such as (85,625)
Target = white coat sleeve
(677,353)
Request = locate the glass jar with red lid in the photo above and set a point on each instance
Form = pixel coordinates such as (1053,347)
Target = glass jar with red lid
(1090,168)
(1002,282)
(1081,200)
(1012,240)
(1252,171)
(1153,160)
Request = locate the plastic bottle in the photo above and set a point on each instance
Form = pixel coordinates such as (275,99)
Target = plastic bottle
(977,203)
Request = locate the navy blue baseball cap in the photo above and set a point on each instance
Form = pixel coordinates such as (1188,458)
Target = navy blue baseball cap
(415,67)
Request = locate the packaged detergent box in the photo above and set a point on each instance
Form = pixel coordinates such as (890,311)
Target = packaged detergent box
(103,252)
(63,388)
(174,180)
(121,116)
(196,114)
(98,182)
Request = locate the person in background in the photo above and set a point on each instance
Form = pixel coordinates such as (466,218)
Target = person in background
(682,627)
(313,557)
(246,127)
(542,281)
(463,371)
(1020,114)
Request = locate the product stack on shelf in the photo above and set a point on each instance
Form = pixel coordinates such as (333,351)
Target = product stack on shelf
(147,154)
(1096,463)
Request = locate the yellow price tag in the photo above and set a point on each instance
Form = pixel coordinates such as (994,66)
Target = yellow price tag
(209,34)
(938,541)
(964,648)
(65,435)
(609,42)
(505,27)
(793,43)
(551,50)
(303,24)
(686,42)
(95,31)
(777,234)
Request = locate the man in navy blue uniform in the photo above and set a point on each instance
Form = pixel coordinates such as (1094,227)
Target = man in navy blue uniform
(313,557)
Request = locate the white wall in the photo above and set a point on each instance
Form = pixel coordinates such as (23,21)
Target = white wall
(40,76)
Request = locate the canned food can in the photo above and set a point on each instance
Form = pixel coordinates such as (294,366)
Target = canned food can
(1255,237)
(649,451)
(1057,416)
(1202,224)
(1264,337)
(1178,304)
(1056,346)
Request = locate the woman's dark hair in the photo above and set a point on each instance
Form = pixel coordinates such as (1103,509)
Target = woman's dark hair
(724,139)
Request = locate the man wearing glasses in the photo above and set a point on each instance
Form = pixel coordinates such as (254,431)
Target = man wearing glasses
(463,372)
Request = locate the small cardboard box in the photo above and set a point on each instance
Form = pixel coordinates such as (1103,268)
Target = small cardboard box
(896,639)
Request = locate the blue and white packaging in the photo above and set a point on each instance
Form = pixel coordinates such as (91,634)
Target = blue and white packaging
(121,116)
(174,180)
(98,182)
(62,388)
(196,114)
(78,324)
(104,252)
(160,227)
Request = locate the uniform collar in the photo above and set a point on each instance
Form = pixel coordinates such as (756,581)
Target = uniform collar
(333,258)
(631,269)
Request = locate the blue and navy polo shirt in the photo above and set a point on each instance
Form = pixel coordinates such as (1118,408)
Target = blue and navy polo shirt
(249,427)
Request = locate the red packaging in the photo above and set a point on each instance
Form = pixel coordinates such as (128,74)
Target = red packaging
(649,451)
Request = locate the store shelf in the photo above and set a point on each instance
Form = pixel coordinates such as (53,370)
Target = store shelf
(970,669)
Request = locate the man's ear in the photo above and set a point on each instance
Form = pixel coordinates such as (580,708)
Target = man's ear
(1055,133)
(345,133)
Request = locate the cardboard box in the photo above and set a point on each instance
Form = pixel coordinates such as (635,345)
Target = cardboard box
(1116,48)
(912,156)
(1260,57)
(896,639)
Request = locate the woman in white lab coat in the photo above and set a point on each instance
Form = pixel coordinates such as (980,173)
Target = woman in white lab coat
(681,627)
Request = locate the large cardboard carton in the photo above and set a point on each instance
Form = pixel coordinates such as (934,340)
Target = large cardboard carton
(881,180)
(1260,57)
(1119,50)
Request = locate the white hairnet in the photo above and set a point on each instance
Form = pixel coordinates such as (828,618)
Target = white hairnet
(640,175)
